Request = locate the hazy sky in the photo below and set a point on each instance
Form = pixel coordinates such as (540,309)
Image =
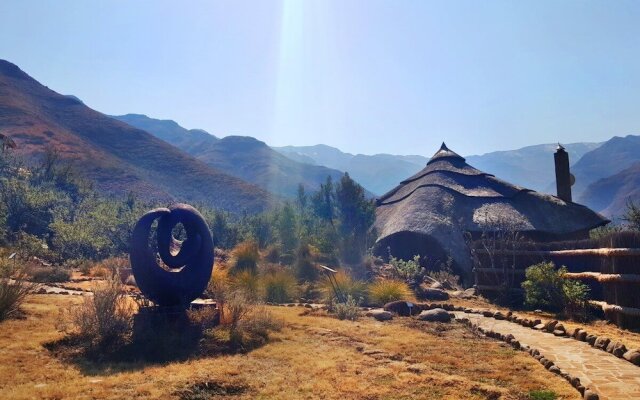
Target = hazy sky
(365,76)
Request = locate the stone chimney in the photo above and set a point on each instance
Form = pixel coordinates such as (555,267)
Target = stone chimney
(563,175)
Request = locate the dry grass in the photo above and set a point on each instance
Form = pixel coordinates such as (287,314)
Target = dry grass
(312,357)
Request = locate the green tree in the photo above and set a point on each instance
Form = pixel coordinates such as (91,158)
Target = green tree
(632,215)
(356,215)
(287,228)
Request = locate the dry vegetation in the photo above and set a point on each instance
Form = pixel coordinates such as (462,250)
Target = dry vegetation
(311,357)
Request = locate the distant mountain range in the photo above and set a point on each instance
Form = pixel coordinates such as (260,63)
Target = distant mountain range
(241,156)
(162,161)
(117,157)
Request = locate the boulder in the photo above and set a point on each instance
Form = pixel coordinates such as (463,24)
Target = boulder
(499,316)
(435,315)
(402,308)
(633,356)
(581,335)
(433,294)
(380,315)
(616,348)
(539,327)
(550,326)
(590,395)
(591,339)
(559,332)
(554,369)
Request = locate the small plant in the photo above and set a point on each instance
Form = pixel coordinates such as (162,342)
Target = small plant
(576,299)
(446,276)
(542,395)
(279,286)
(245,257)
(384,291)
(105,318)
(348,310)
(13,292)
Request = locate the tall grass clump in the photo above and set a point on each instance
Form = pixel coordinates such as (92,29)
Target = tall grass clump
(384,291)
(347,286)
(245,257)
(104,319)
(304,266)
(279,286)
(13,293)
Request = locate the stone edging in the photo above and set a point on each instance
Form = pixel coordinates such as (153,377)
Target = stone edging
(535,353)
(616,348)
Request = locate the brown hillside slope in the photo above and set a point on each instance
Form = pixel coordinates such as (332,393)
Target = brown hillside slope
(114,155)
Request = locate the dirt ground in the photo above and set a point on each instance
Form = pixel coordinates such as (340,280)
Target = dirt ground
(313,357)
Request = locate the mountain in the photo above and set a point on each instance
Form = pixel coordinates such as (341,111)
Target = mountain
(610,195)
(531,167)
(117,157)
(241,156)
(378,173)
(615,155)
(169,131)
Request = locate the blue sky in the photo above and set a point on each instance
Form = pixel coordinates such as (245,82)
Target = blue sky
(365,76)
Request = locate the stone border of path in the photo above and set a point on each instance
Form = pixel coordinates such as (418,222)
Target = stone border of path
(616,348)
(586,393)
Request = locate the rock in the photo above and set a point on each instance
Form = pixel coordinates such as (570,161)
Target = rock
(554,369)
(435,315)
(539,327)
(558,332)
(64,292)
(575,382)
(633,356)
(380,315)
(560,327)
(601,343)
(42,291)
(402,308)
(436,285)
(617,348)
(470,292)
(550,326)
(591,339)
(590,395)
(499,316)
(434,294)
(509,338)
(582,335)
(515,344)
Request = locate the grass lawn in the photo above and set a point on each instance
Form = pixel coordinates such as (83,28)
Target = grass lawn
(313,357)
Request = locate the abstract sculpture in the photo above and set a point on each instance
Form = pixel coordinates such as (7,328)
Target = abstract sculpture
(188,272)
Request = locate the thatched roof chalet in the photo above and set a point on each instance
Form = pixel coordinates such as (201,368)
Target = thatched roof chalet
(432,212)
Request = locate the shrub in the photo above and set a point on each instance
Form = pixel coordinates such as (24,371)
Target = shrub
(253,330)
(384,291)
(49,274)
(12,294)
(546,288)
(346,286)
(347,310)
(304,265)
(446,276)
(245,257)
(279,287)
(409,270)
(105,318)
(218,287)
(272,253)
(247,282)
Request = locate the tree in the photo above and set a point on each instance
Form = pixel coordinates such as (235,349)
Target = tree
(632,215)
(323,201)
(287,228)
(356,215)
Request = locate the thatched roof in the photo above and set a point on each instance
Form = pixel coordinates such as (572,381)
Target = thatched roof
(449,198)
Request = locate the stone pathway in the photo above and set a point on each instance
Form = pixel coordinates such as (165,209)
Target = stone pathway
(611,377)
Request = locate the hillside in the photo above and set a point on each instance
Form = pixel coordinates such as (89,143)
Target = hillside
(115,156)
(615,155)
(610,195)
(531,167)
(241,156)
(378,173)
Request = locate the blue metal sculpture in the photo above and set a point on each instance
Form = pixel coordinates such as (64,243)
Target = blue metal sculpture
(188,272)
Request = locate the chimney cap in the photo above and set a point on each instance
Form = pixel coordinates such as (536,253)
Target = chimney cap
(560,147)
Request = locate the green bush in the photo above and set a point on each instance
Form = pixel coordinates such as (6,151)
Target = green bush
(546,288)
(50,274)
(409,270)
(384,291)
(279,287)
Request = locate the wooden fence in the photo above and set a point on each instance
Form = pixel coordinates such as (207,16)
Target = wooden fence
(612,273)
